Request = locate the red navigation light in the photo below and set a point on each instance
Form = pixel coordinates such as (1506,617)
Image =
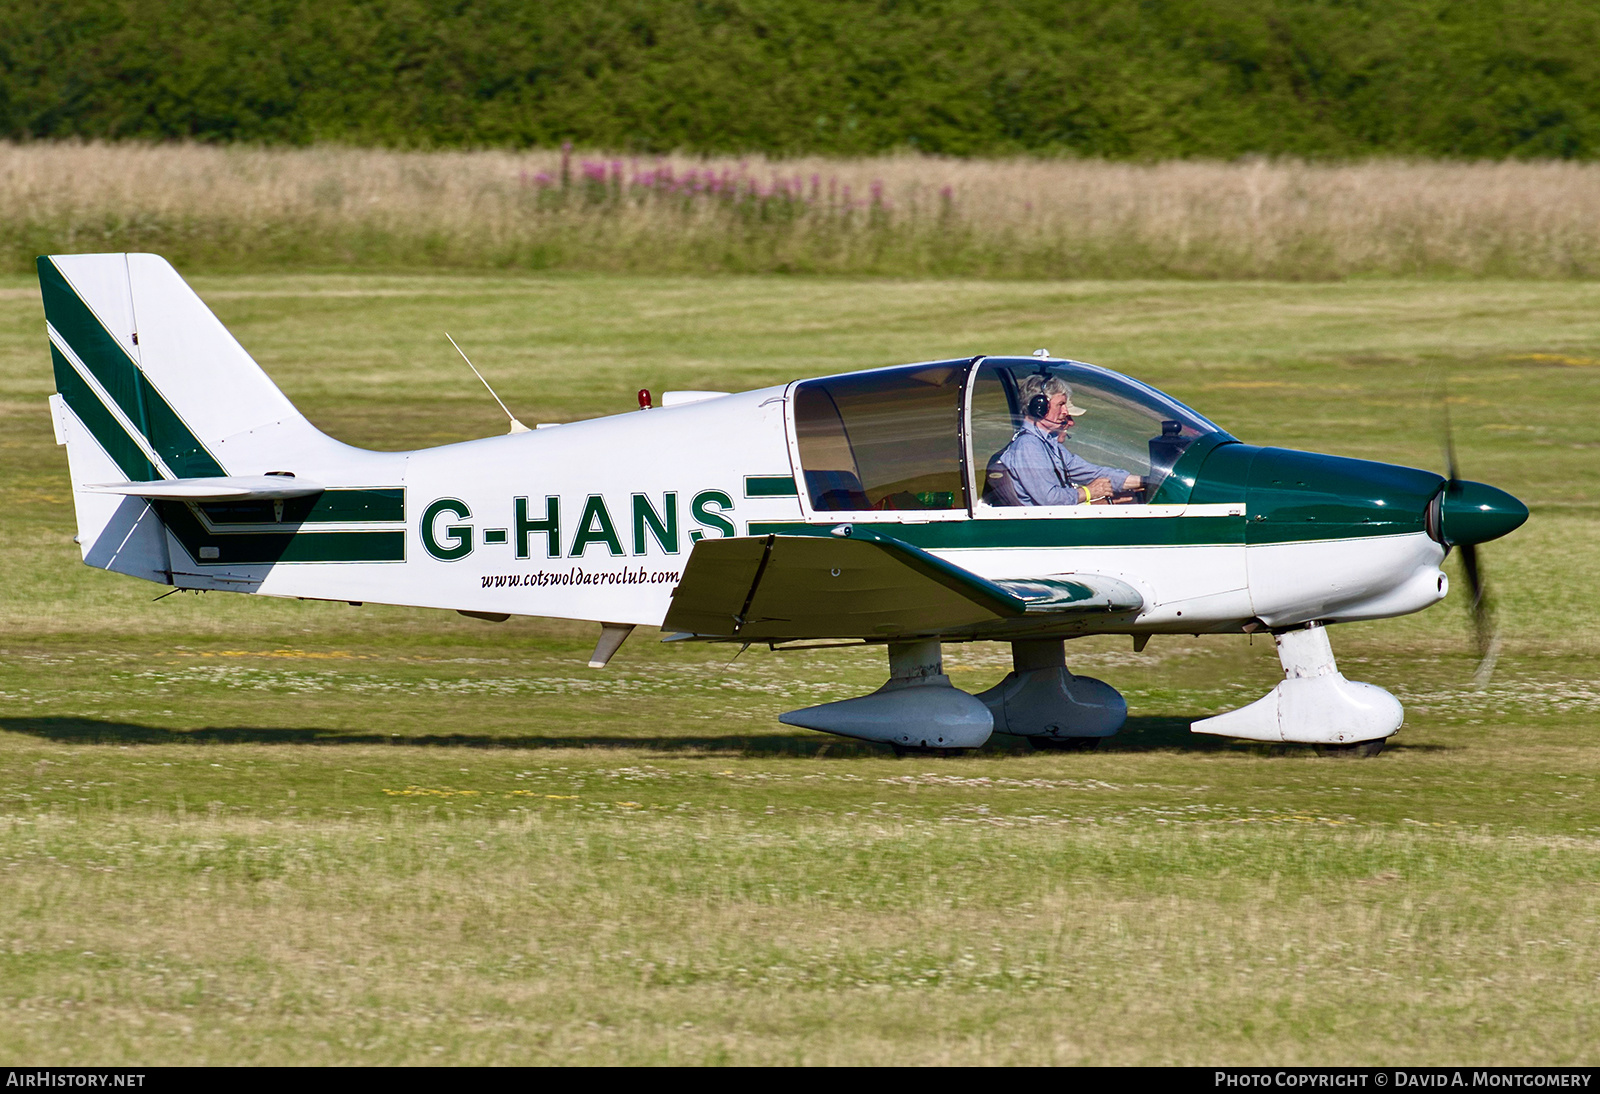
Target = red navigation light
(644,398)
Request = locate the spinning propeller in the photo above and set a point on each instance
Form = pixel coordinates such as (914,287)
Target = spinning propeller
(1470,513)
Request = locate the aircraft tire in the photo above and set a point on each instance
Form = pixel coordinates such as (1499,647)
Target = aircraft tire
(1064,744)
(1357,750)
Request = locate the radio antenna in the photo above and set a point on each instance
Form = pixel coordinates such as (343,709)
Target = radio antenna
(516,426)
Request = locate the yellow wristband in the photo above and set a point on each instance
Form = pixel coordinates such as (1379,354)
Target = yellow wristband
(1087,500)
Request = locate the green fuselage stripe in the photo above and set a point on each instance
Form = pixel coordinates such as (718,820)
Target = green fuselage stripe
(1098,532)
(386,504)
(770,486)
(115,371)
(1124,532)
(266,548)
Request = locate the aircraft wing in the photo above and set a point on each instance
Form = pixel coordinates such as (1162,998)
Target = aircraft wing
(858,583)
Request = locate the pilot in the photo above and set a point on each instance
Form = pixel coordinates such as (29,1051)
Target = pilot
(1039,468)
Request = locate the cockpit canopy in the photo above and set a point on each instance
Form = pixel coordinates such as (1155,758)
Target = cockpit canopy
(926,436)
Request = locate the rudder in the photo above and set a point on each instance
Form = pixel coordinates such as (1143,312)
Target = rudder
(129,334)
(150,385)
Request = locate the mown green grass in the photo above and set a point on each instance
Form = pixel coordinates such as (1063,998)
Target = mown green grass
(243,830)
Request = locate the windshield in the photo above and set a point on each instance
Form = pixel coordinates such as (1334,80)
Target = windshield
(1119,430)
(887,439)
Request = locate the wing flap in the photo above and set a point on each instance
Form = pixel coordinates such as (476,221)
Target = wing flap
(716,585)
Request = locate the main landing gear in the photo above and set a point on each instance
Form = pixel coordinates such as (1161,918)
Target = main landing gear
(1314,704)
(919,710)
(1055,710)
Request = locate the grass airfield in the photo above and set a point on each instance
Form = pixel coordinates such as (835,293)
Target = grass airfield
(237,830)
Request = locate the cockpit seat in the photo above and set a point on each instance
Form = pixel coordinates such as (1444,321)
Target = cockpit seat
(836,492)
(998,486)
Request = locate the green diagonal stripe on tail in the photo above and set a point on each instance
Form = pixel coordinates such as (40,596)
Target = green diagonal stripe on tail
(83,402)
(115,371)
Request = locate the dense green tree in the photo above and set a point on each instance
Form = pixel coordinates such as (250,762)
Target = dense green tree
(1116,78)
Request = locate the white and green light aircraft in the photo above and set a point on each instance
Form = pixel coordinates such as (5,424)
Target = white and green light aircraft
(883,507)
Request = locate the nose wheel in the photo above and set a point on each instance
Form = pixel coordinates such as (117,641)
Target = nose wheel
(1064,744)
(1314,704)
(1357,750)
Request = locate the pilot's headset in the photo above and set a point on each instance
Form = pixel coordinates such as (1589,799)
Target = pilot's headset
(1039,405)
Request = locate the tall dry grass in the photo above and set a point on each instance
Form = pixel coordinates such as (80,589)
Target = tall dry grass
(236,207)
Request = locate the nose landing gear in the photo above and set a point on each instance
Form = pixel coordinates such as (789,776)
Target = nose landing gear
(1314,704)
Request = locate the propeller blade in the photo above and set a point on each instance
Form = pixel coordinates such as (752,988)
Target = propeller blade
(1469,563)
(1485,673)
(1483,622)
(1451,470)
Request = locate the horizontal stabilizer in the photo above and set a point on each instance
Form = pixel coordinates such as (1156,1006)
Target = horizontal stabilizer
(218,488)
(858,583)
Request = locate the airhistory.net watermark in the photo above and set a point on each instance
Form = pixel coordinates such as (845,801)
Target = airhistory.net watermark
(71,1077)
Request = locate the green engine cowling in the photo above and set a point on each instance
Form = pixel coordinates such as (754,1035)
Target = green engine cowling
(1292,495)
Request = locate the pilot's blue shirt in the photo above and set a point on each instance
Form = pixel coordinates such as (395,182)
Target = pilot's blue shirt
(1044,472)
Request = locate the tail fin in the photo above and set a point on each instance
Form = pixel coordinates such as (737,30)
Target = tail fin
(150,385)
(157,379)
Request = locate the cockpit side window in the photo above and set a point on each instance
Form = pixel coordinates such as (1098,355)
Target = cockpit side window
(889,439)
(1125,431)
